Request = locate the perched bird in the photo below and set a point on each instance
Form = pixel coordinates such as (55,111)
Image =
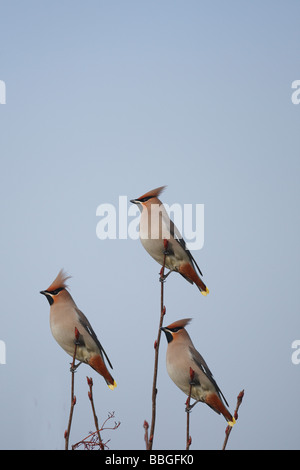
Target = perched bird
(155,227)
(64,318)
(181,357)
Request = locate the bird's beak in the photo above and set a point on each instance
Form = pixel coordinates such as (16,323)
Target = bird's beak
(134,201)
(48,296)
(168,334)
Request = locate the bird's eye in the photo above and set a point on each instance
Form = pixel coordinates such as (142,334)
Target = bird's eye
(56,291)
(176,329)
(144,199)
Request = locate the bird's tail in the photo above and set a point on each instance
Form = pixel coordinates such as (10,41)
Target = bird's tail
(218,406)
(187,271)
(97,363)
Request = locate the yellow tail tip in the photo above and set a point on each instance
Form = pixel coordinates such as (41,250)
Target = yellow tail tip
(232,423)
(205,292)
(112,386)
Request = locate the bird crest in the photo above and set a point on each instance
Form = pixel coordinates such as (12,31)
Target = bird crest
(154,192)
(179,323)
(59,281)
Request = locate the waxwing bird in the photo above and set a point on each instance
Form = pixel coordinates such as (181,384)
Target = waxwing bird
(64,318)
(181,357)
(155,227)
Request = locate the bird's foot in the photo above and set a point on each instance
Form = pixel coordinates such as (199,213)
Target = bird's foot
(189,408)
(163,277)
(75,367)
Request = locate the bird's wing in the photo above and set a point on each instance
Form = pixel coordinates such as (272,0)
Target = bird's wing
(175,233)
(178,237)
(200,362)
(88,327)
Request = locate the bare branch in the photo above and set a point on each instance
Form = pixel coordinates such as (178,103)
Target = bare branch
(92,442)
(146,437)
(229,428)
(156,347)
(188,410)
(90,395)
(73,398)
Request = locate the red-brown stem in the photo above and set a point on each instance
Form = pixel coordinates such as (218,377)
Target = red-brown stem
(90,441)
(146,427)
(229,428)
(156,346)
(73,398)
(188,437)
(90,395)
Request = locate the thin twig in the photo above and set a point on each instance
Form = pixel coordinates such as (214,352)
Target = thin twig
(156,347)
(229,428)
(90,395)
(73,397)
(187,409)
(146,437)
(91,441)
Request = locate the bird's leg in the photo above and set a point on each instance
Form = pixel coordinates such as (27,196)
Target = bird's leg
(77,342)
(162,277)
(74,368)
(188,408)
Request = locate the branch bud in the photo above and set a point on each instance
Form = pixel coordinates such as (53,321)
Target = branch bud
(89,381)
(146,424)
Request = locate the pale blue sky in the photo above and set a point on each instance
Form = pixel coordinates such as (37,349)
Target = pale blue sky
(116,98)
